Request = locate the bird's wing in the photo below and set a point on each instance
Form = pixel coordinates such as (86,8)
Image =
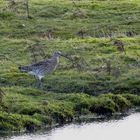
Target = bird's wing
(42,63)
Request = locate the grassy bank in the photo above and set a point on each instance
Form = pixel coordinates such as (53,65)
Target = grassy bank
(31,109)
(104,78)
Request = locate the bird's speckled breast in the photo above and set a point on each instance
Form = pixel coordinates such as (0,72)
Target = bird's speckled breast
(52,66)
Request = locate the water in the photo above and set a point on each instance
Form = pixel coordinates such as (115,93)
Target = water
(127,128)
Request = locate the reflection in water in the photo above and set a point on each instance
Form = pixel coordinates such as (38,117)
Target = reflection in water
(127,128)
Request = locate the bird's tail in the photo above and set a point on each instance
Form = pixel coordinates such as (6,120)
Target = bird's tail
(24,68)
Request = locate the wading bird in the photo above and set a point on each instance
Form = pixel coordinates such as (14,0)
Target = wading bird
(42,68)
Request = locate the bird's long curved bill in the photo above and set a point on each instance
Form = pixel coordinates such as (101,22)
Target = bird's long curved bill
(66,56)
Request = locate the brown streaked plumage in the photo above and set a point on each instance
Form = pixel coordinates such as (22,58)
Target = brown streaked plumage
(42,68)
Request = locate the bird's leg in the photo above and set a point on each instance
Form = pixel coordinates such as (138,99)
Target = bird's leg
(35,83)
(39,83)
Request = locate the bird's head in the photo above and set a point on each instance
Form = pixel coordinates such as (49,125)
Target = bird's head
(57,54)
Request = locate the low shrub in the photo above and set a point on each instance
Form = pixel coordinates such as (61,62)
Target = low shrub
(103,106)
(121,103)
(134,99)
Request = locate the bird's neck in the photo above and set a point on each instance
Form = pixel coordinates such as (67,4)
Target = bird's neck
(55,58)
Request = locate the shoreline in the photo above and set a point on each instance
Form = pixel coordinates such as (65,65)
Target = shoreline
(81,119)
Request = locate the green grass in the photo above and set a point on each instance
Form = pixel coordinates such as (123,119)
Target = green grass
(68,92)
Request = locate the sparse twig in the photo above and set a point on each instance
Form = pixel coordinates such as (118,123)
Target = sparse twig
(108,67)
(79,13)
(1,95)
(50,34)
(12,5)
(27,9)
(120,45)
(130,33)
(81,33)
(78,9)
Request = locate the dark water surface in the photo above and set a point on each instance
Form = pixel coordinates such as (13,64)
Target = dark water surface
(126,128)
